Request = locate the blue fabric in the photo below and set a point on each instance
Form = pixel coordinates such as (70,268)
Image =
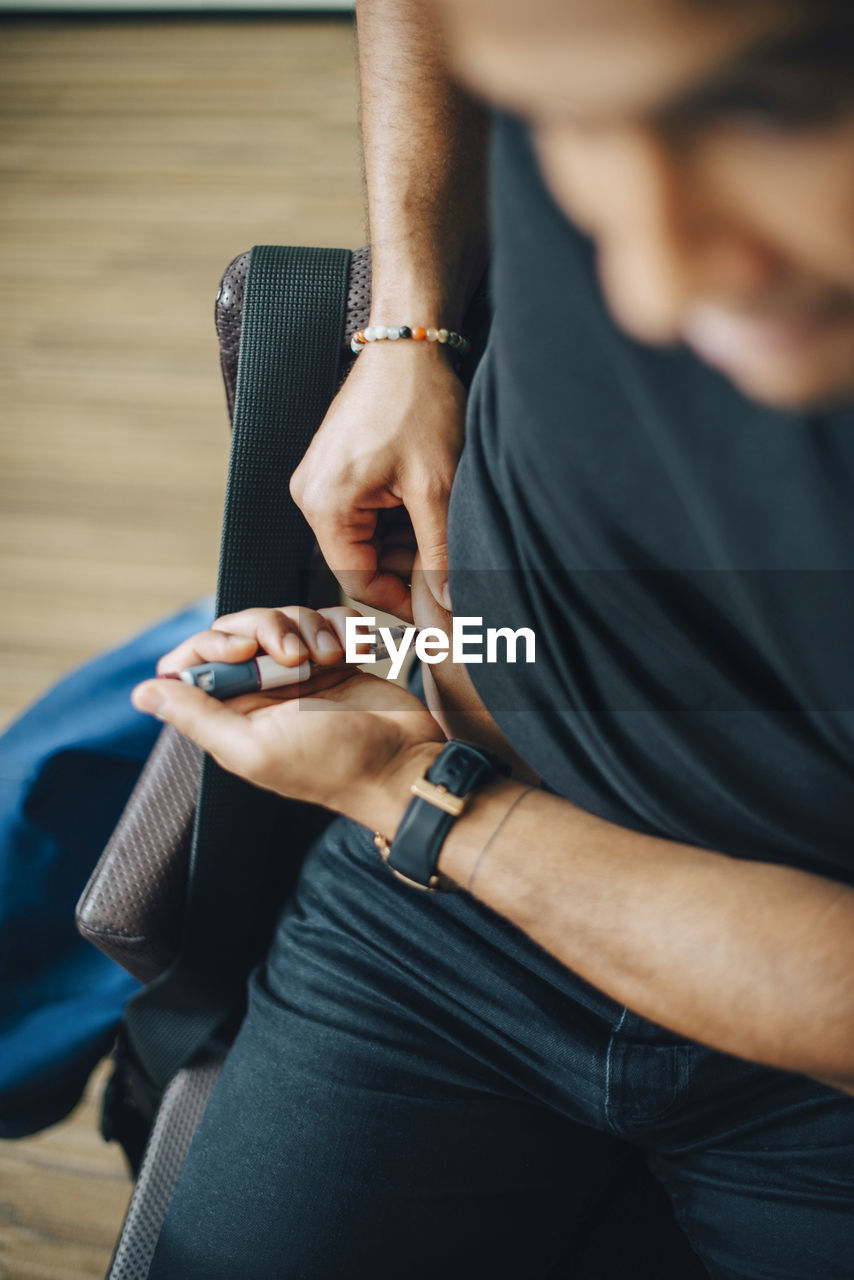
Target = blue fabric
(67,766)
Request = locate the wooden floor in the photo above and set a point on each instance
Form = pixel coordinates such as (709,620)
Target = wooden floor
(63,1194)
(136,158)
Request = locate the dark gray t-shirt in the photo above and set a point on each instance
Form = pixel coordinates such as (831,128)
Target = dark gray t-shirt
(683,555)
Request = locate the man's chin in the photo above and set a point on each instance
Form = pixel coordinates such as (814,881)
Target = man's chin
(794,389)
(791,367)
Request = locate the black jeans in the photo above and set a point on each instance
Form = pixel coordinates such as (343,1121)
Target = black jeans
(420,1091)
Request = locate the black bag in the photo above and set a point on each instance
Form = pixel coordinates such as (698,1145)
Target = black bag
(167,899)
(134,903)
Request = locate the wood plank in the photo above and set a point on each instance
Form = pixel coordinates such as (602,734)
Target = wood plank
(137,157)
(62,1194)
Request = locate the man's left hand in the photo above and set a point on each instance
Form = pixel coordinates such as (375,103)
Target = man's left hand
(344,739)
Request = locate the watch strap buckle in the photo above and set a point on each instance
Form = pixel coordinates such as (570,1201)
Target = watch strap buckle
(437,794)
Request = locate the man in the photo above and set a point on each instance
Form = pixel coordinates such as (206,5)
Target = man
(654,947)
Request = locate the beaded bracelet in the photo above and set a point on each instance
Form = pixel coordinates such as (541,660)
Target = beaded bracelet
(382,333)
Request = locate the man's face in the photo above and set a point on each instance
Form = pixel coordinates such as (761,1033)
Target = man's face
(707,147)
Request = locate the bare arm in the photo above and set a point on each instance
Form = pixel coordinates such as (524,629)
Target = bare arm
(424,146)
(394,433)
(752,958)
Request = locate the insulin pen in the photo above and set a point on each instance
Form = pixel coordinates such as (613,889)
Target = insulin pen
(229,679)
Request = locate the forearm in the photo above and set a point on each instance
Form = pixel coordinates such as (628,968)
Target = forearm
(751,958)
(425,161)
(754,959)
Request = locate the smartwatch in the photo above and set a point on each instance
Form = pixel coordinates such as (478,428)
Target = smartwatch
(437,799)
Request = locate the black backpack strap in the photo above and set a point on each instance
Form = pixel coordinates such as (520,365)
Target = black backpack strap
(292,339)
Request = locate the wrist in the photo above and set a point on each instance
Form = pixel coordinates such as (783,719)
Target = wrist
(447,781)
(401,296)
(392,791)
(427,314)
(409,363)
(470,839)
(397,298)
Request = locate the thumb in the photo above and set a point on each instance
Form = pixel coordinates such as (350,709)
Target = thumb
(430,525)
(222,733)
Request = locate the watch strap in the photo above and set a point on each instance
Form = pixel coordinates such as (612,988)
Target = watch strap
(438,799)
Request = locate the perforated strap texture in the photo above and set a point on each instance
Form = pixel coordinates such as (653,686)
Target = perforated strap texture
(290,349)
(174,1128)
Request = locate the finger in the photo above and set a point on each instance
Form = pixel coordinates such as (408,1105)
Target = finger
(320,636)
(379,589)
(335,617)
(429,514)
(224,733)
(276,631)
(289,634)
(236,637)
(207,646)
(349,544)
(344,533)
(388,593)
(279,631)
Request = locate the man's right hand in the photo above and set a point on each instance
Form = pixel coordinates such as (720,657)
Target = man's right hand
(376,480)
(389,443)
